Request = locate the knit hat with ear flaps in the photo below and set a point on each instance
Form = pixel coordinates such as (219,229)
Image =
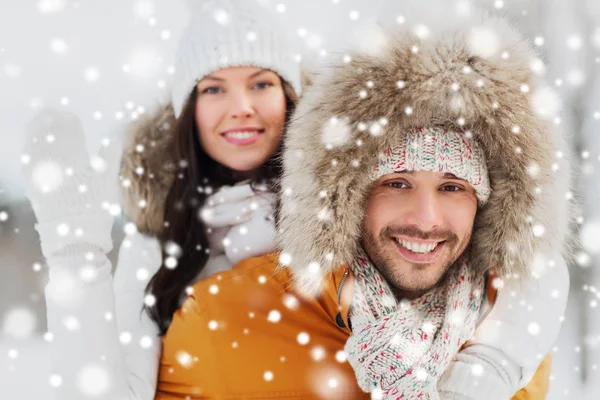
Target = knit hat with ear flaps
(439,81)
(436,150)
(230,33)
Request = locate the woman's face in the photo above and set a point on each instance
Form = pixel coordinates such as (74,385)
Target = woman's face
(240,113)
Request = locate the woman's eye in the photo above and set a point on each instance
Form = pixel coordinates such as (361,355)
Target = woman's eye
(263,85)
(212,90)
(397,185)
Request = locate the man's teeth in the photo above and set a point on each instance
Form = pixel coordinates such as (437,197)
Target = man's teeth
(418,248)
(241,134)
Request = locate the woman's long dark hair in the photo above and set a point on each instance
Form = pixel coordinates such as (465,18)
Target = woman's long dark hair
(183,227)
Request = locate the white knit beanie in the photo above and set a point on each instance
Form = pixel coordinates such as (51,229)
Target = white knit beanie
(437,150)
(230,33)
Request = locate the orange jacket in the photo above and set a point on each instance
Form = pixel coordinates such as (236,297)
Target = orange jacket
(246,334)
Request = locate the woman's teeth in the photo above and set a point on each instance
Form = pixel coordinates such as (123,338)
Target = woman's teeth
(242,134)
(418,248)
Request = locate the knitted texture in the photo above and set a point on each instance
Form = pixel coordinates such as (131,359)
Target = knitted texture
(230,33)
(401,349)
(436,150)
(72,194)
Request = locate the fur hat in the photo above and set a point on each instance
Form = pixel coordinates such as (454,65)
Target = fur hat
(445,80)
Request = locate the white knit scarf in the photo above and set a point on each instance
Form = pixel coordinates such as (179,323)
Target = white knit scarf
(399,350)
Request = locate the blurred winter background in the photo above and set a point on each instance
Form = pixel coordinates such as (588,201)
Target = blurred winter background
(110,60)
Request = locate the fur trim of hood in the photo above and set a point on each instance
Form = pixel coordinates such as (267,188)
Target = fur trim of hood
(148,169)
(443,81)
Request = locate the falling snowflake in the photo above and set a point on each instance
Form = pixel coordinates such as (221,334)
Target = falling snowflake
(251,36)
(184,359)
(583,259)
(589,234)
(574,42)
(51,6)
(150,300)
(340,356)
(145,342)
(71,323)
(143,9)
(538,230)
(130,228)
(317,353)
(173,249)
(576,77)
(55,380)
(171,262)
(268,376)
(291,302)
(13,354)
(477,370)
(420,374)
(47,176)
(19,323)
(125,337)
(497,283)
(484,42)
(91,74)
(94,381)
(376,394)
(534,329)
(274,316)
(314,268)
(12,70)
(213,289)
(314,41)
(144,62)
(336,132)
(546,102)
(369,38)
(59,46)
(285,259)
(303,338)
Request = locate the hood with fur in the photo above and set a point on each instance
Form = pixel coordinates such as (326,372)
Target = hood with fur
(358,107)
(148,169)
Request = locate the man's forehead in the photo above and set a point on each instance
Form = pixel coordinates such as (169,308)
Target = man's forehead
(446,175)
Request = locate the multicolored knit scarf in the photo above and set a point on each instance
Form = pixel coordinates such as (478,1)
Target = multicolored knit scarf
(401,349)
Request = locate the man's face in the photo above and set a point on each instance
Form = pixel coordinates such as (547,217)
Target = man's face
(417,224)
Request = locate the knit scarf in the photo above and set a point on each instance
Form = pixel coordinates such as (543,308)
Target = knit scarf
(399,349)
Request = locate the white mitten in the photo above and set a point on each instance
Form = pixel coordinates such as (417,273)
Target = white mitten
(248,216)
(73,195)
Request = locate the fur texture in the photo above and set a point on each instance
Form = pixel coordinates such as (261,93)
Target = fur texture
(148,169)
(446,83)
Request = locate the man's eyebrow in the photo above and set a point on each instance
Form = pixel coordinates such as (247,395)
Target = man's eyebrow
(447,175)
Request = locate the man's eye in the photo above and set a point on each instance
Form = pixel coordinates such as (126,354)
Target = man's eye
(397,185)
(451,188)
